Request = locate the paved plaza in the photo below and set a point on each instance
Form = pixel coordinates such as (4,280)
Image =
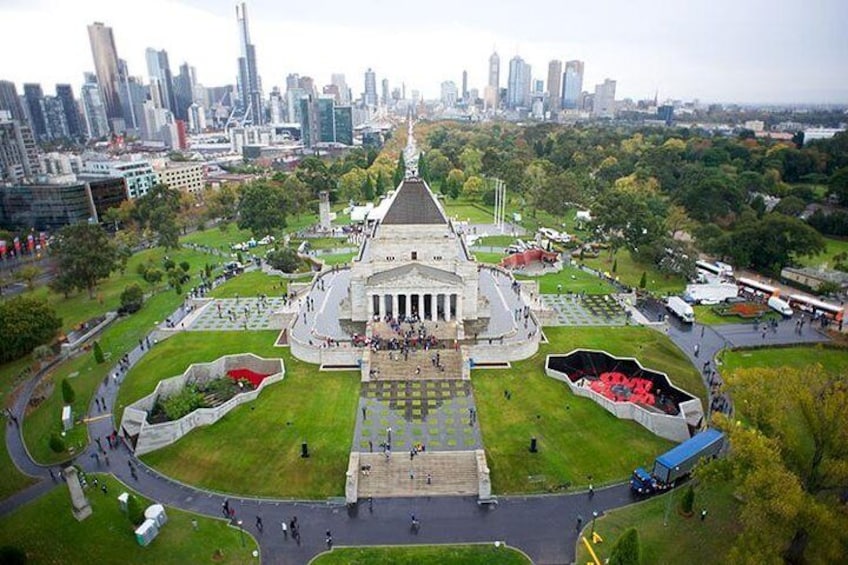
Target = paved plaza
(231,314)
(591,310)
(433,413)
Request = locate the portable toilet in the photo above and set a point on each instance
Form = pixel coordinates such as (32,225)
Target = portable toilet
(67,418)
(123,498)
(146,533)
(156,512)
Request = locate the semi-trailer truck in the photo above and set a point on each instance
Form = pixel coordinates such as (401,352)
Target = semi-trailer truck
(677,463)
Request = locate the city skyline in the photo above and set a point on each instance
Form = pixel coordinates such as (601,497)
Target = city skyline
(760,55)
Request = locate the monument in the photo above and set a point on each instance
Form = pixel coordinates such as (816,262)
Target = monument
(324,210)
(80,507)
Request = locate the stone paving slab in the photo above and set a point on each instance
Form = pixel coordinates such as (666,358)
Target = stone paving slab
(249,314)
(592,310)
(434,413)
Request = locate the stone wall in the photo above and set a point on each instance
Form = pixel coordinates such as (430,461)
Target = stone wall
(154,436)
(667,426)
(344,354)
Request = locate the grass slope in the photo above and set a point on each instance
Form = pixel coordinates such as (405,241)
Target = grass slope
(630,273)
(253,283)
(48,533)
(576,437)
(833,360)
(423,555)
(571,279)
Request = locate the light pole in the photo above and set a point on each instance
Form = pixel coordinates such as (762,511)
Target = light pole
(241,531)
(594,517)
(668,502)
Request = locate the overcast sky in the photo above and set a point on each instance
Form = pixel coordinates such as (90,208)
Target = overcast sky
(768,51)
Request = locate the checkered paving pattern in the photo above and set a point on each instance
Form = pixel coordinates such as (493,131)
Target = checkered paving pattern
(248,313)
(593,310)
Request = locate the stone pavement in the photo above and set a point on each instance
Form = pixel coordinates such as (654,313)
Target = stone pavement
(232,314)
(451,473)
(591,310)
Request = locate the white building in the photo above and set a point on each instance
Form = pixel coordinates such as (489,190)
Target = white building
(139,176)
(604,101)
(186,177)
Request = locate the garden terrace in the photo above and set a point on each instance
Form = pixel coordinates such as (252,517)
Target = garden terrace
(628,390)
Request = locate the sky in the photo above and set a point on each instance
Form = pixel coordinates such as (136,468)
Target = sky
(748,51)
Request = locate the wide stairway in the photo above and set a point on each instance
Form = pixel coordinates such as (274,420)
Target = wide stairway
(451,472)
(396,368)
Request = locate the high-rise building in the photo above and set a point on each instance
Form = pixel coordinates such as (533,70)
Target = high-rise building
(465,85)
(572,84)
(343,116)
(518,84)
(276,107)
(384,96)
(10,102)
(161,78)
(184,91)
(249,83)
(132,94)
(492,92)
(554,86)
(106,66)
(34,108)
(324,122)
(338,79)
(449,93)
(65,94)
(93,108)
(54,117)
(604,102)
(370,88)
(18,151)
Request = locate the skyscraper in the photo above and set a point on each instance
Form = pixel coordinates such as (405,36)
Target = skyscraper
(449,93)
(54,117)
(518,84)
(10,102)
(384,96)
(183,91)
(34,98)
(465,85)
(604,102)
(161,78)
(70,110)
(93,108)
(554,86)
(572,84)
(249,83)
(106,66)
(494,85)
(18,150)
(338,79)
(370,88)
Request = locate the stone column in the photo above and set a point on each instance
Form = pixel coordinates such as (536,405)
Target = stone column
(447,307)
(370,306)
(408,311)
(459,306)
(394,305)
(79,503)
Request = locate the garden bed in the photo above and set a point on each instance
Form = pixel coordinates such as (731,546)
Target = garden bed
(747,310)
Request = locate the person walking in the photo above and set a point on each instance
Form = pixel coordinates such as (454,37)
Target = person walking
(285,530)
(259,525)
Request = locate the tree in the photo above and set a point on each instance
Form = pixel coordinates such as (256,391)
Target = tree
(472,188)
(350,184)
(400,170)
(535,180)
(153,275)
(135,511)
(25,323)
(789,462)
(262,209)
(471,160)
(285,260)
(222,203)
(98,353)
(84,255)
(28,274)
(643,281)
(132,298)
(771,243)
(68,394)
(626,550)
(56,443)
(687,503)
(157,210)
(439,165)
(297,194)
(368,188)
(454,183)
(42,353)
(423,170)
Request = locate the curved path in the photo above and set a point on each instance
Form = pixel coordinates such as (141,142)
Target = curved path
(544,527)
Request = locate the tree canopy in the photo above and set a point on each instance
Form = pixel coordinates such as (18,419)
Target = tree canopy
(25,323)
(262,208)
(84,256)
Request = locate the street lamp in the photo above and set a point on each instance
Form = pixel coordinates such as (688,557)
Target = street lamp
(668,502)
(241,531)
(594,517)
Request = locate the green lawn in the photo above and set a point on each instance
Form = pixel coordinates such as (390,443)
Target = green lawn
(482,554)
(323,242)
(465,211)
(78,307)
(576,436)
(832,359)
(496,241)
(489,258)
(706,315)
(318,408)
(572,279)
(253,283)
(339,259)
(834,247)
(85,375)
(48,533)
(217,238)
(682,540)
(630,273)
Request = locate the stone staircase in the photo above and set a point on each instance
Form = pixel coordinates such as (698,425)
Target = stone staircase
(396,368)
(452,473)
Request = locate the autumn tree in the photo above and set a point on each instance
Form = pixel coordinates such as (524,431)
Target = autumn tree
(790,462)
(472,188)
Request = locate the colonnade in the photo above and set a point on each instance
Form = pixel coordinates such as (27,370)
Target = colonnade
(427,306)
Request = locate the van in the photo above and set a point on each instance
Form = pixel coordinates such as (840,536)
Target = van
(679,308)
(781,306)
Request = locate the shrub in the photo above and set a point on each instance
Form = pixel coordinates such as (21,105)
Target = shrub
(184,402)
(10,555)
(135,512)
(68,394)
(98,353)
(132,299)
(57,444)
(688,501)
(184,265)
(285,260)
(615,265)
(626,550)
(643,282)
(168,264)
(41,353)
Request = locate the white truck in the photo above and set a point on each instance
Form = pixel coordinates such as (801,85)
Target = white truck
(714,293)
(780,306)
(679,308)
